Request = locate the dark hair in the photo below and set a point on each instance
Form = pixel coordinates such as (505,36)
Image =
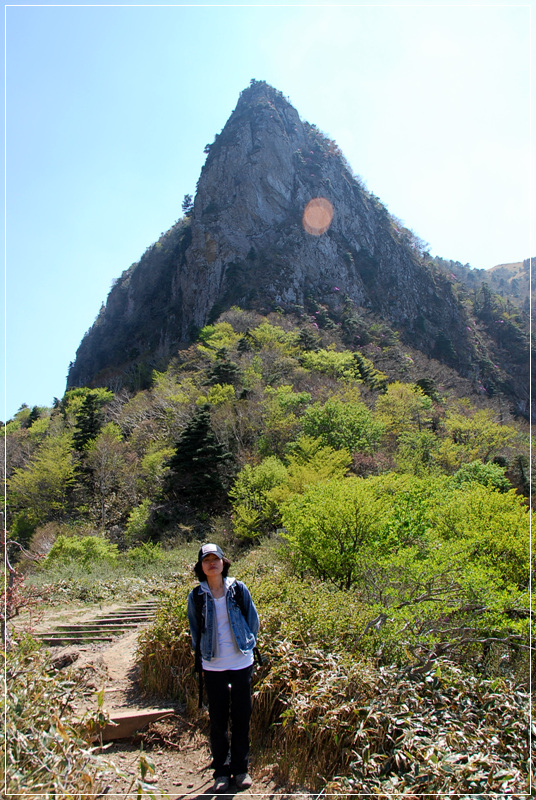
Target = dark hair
(198,569)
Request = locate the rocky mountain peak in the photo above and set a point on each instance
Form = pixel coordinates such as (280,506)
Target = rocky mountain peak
(278,221)
(251,241)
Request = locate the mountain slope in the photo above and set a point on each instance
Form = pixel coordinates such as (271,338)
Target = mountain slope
(247,241)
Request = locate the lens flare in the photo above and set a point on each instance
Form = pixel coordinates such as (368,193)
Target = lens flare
(317,216)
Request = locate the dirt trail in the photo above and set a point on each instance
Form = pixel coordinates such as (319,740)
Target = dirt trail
(175,746)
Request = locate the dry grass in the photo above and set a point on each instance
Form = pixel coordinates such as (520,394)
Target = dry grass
(330,717)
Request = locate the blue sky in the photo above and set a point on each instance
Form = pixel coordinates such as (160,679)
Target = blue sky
(108,109)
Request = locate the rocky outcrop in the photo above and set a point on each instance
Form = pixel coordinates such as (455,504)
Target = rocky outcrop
(250,241)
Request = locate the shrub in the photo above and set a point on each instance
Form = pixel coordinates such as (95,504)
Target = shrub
(144,554)
(136,527)
(82,549)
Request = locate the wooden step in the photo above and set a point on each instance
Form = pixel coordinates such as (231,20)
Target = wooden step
(100,629)
(63,641)
(96,626)
(122,618)
(124,724)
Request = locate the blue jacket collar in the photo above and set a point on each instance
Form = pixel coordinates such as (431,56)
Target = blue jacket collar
(227,582)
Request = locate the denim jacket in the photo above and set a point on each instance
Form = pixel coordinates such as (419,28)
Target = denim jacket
(245,629)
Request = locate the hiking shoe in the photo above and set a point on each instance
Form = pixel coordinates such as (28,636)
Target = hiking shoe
(221,784)
(243,781)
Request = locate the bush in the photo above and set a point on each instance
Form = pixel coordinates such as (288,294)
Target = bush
(148,571)
(165,651)
(82,549)
(136,527)
(450,733)
(144,555)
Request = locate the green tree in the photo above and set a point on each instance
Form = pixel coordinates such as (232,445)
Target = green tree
(368,373)
(35,413)
(309,340)
(73,400)
(310,461)
(338,365)
(260,491)
(478,435)
(216,338)
(219,394)
(491,528)
(343,424)
(40,491)
(136,530)
(195,469)
(223,370)
(281,408)
(491,475)
(187,204)
(106,460)
(334,528)
(253,511)
(266,335)
(88,419)
(404,408)
(417,452)
(153,469)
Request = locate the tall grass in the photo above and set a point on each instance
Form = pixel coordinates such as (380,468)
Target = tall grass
(48,750)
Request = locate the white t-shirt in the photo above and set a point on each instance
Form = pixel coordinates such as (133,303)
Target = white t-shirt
(227,654)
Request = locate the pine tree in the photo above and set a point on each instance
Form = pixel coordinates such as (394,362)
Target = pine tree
(34,416)
(309,340)
(195,467)
(223,370)
(88,422)
(367,372)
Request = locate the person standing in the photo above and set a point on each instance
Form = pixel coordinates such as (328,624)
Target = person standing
(224,625)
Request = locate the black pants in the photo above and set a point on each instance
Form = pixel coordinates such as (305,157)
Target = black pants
(229,694)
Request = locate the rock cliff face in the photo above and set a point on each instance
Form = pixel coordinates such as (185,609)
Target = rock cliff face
(253,240)
(249,243)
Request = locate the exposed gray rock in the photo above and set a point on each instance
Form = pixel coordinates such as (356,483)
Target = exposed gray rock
(245,243)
